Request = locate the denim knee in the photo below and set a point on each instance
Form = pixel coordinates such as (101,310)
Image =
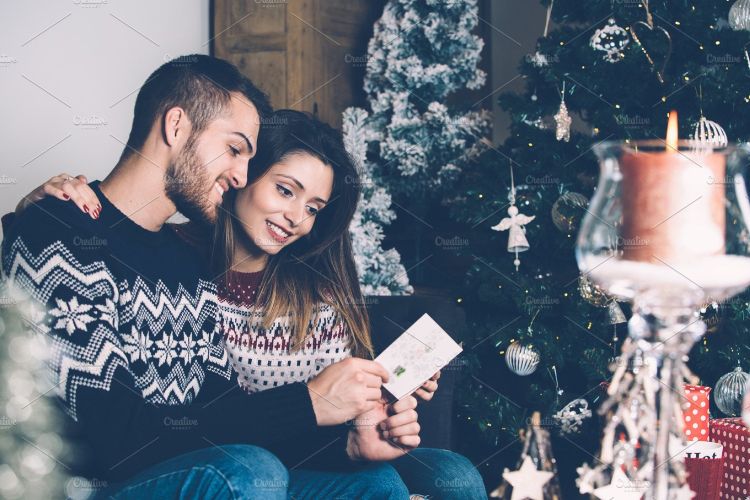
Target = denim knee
(453,475)
(247,471)
(233,472)
(382,481)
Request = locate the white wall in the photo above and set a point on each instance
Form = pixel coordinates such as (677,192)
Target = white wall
(69,75)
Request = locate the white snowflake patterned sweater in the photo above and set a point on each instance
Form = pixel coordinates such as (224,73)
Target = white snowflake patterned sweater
(263,357)
(138,358)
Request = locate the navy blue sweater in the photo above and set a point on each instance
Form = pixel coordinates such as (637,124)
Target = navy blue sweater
(136,352)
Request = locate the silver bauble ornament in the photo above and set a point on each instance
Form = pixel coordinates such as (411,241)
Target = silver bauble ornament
(710,134)
(568,211)
(729,391)
(521,359)
(739,15)
(611,40)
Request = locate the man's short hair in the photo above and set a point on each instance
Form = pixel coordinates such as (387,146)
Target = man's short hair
(199,84)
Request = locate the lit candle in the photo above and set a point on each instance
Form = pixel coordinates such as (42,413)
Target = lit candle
(672,202)
(672,132)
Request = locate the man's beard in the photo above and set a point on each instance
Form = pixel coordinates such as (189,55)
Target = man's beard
(186,185)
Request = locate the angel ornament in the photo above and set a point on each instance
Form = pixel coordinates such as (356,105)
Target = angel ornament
(517,241)
(514,223)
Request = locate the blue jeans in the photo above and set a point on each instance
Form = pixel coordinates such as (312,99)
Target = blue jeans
(244,471)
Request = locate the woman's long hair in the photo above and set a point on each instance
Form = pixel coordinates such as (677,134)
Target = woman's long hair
(320,266)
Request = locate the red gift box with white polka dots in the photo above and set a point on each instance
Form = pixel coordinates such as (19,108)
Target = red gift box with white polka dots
(735,437)
(695,412)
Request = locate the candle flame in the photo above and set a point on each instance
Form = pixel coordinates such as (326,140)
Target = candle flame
(672,132)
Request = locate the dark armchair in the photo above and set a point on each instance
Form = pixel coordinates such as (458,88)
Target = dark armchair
(389,318)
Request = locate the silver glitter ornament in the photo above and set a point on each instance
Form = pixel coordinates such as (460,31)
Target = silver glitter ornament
(611,40)
(563,121)
(521,359)
(568,211)
(710,134)
(739,15)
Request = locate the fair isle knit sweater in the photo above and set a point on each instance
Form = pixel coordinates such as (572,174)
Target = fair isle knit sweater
(263,357)
(131,317)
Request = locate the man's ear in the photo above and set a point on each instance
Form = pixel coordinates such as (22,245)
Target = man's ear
(176,126)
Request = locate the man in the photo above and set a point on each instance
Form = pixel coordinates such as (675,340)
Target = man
(129,310)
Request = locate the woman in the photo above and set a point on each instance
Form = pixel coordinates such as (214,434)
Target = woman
(289,299)
(282,249)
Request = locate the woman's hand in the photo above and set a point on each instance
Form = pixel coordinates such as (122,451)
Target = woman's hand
(428,389)
(65,187)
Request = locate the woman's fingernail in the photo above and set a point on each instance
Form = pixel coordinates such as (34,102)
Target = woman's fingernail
(66,196)
(385,434)
(86,209)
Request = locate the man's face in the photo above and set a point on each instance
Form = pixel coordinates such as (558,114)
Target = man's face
(214,161)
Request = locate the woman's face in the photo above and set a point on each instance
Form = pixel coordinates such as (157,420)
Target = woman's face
(280,207)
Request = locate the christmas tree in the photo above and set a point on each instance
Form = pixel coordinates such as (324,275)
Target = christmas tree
(421,54)
(380,271)
(619,67)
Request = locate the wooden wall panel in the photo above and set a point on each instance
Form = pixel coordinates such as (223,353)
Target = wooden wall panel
(306,54)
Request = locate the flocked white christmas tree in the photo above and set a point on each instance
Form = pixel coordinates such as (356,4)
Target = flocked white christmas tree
(421,52)
(380,271)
